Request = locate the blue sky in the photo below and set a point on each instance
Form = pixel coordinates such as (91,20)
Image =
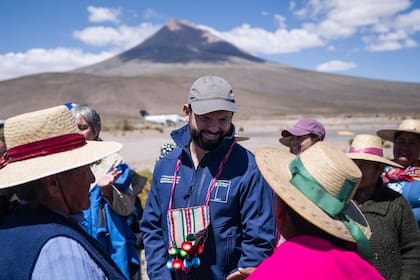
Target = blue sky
(365,38)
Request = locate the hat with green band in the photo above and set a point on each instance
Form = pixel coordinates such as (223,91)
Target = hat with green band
(319,185)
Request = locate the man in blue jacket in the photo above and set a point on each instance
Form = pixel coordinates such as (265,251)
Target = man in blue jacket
(208,169)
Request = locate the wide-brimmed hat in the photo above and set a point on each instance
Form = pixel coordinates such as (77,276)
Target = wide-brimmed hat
(302,127)
(318,184)
(409,125)
(211,93)
(369,147)
(44,143)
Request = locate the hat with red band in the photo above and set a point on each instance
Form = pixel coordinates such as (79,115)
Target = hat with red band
(44,143)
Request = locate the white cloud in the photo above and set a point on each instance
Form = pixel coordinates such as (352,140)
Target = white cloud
(265,13)
(46,60)
(150,14)
(281,21)
(260,41)
(389,42)
(377,20)
(380,46)
(292,5)
(409,21)
(122,36)
(344,18)
(101,14)
(331,48)
(336,65)
(409,43)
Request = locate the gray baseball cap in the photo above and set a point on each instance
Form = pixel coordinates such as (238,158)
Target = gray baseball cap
(211,93)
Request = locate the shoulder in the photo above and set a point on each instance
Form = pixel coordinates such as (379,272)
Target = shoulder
(167,160)
(243,154)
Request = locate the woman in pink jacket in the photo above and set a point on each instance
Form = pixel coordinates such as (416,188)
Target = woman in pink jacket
(321,227)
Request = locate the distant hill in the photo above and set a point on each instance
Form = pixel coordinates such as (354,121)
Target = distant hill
(156,76)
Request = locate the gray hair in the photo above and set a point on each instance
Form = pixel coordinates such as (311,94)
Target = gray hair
(90,114)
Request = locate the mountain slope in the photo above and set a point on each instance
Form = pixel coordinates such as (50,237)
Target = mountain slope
(157,74)
(177,42)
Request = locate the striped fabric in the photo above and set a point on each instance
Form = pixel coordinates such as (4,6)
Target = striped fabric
(185,221)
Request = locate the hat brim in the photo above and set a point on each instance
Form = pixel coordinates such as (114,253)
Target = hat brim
(389,134)
(369,157)
(296,131)
(240,138)
(285,140)
(201,107)
(19,172)
(274,166)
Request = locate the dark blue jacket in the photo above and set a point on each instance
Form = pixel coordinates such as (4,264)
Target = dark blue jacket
(242,224)
(28,228)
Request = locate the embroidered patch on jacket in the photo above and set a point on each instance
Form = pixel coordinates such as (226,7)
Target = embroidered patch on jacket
(168,179)
(221,191)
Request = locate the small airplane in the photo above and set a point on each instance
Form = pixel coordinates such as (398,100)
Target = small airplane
(162,119)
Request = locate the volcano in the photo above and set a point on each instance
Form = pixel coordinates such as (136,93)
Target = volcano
(156,76)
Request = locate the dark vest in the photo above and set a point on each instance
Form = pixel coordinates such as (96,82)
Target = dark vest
(24,232)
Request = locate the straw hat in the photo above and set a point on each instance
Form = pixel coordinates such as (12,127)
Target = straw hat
(369,147)
(327,171)
(44,143)
(409,125)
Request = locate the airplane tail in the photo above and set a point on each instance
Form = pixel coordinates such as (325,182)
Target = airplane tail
(144,113)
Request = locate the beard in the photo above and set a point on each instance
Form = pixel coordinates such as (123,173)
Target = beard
(206,144)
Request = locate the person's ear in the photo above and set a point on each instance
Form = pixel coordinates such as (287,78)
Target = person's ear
(52,184)
(187,112)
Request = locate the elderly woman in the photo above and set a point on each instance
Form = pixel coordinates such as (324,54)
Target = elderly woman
(395,240)
(105,170)
(406,149)
(112,197)
(44,183)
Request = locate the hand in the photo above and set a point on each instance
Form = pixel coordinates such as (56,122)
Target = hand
(242,273)
(105,183)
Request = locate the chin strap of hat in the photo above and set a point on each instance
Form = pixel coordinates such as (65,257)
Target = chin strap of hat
(43,147)
(332,205)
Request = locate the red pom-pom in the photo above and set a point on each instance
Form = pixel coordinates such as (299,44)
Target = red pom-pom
(187,247)
(177,264)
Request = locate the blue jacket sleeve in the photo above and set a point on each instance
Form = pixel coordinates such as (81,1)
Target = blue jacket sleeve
(154,241)
(257,220)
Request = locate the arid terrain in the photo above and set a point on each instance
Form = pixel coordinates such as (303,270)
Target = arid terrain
(142,148)
(156,76)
